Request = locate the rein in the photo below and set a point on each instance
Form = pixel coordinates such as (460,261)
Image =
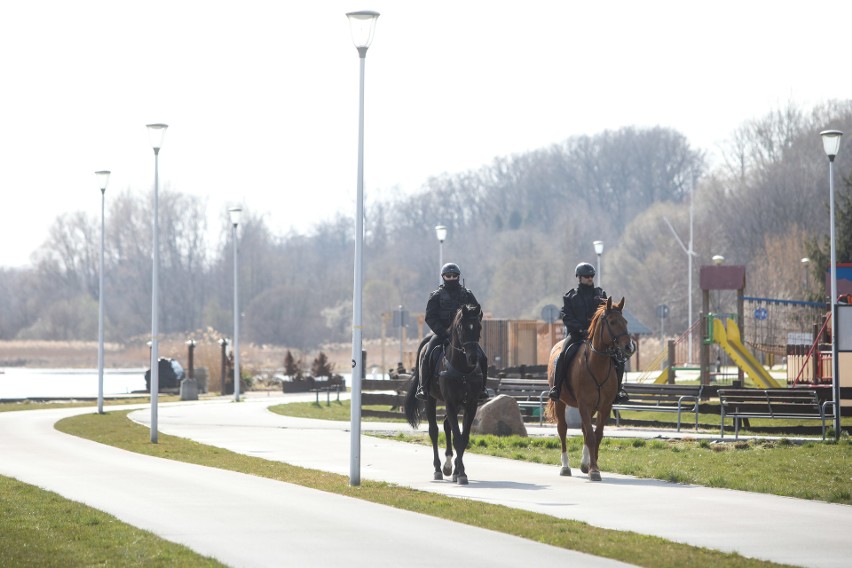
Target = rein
(612,353)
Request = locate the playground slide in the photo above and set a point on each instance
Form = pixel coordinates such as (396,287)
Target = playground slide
(663,378)
(730,342)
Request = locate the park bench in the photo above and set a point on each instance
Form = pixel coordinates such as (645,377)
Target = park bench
(530,394)
(791,404)
(660,398)
(327,390)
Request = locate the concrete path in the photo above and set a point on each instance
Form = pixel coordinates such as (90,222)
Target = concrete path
(246,521)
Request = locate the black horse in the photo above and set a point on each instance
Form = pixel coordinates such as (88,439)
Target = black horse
(458,386)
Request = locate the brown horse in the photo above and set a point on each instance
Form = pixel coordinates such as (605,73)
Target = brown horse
(591,382)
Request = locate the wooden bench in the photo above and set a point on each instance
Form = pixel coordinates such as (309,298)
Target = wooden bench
(528,393)
(660,398)
(792,404)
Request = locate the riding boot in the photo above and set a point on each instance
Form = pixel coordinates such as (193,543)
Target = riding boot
(483,394)
(621,396)
(557,379)
(422,390)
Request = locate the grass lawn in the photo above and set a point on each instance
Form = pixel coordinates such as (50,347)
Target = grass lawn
(811,470)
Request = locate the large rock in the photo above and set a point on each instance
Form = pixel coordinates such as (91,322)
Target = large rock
(499,416)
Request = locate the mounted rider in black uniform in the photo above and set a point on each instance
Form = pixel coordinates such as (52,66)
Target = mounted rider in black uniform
(440,310)
(579,306)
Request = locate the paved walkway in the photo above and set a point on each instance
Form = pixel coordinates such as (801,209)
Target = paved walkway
(246,521)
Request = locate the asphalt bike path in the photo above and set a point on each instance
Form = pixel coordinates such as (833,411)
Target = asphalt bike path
(244,520)
(781,529)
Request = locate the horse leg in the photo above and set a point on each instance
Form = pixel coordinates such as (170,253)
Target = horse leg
(595,472)
(453,423)
(562,431)
(463,439)
(448,455)
(431,413)
(588,437)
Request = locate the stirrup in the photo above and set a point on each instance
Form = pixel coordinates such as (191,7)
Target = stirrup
(483,396)
(554,393)
(420,394)
(621,397)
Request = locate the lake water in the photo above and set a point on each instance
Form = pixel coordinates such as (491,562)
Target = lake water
(20,383)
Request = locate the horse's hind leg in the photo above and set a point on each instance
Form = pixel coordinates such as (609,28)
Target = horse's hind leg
(448,455)
(431,414)
(562,431)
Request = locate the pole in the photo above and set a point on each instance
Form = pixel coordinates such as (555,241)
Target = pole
(600,279)
(155,284)
(835,378)
(236,324)
(101,313)
(440,261)
(355,402)
(689,254)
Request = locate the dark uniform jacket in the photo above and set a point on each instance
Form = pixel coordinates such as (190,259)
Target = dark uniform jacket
(579,306)
(442,306)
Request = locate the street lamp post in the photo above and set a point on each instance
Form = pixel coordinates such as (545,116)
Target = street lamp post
(362,26)
(441,233)
(103,178)
(831,145)
(156,132)
(234,213)
(599,252)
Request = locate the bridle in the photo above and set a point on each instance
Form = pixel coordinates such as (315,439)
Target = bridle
(612,350)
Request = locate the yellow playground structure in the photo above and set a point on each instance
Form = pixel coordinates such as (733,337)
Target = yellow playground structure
(729,340)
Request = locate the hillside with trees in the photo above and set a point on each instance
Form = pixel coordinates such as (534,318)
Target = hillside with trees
(517,227)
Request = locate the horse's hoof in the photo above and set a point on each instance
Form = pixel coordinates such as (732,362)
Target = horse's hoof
(438,476)
(595,476)
(462,480)
(584,468)
(455,478)
(565,471)
(448,470)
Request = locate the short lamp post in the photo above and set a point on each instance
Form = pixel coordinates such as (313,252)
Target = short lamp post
(103,179)
(362,26)
(441,233)
(234,214)
(831,145)
(156,132)
(599,251)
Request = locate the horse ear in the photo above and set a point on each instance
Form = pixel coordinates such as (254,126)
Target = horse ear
(608,304)
(620,305)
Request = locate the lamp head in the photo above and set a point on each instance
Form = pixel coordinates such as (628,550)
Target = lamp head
(103,179)
(156,133)
(362,25)
(598,247)
(718,259)
(831,142)
(441,232)
(805,261)
(235,213)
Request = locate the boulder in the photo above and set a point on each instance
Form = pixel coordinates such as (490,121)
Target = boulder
(188,389)
(499,416)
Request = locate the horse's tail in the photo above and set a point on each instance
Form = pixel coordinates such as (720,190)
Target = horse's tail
(550,411)
(411,405)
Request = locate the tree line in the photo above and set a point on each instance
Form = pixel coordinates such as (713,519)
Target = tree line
(517,227)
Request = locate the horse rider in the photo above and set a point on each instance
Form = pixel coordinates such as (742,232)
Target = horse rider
(578,307)
(441,308)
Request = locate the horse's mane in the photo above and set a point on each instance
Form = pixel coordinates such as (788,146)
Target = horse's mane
(596,319)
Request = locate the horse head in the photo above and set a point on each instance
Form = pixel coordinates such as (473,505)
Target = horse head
(466,330)
(609,331)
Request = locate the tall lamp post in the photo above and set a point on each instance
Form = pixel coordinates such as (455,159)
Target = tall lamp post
(234,213)
(599,251)
(441,233)
(831,145)
(103,178)
(362,26)
(156,133)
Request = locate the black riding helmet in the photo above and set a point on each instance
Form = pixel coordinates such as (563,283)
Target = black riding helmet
(584,269)
(451,268)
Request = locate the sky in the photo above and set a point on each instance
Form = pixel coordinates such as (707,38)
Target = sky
(261,96)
